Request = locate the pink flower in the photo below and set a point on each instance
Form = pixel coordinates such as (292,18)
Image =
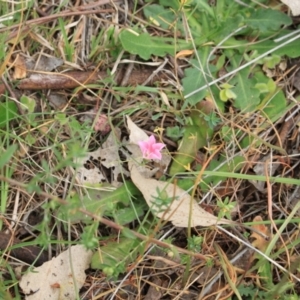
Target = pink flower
(151,149)
(102,124)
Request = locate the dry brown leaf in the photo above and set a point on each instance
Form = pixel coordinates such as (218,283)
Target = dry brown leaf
(184,53)
(58,279)
(260,242)
(178,211)
(20,68)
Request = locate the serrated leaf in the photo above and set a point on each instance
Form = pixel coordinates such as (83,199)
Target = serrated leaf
(145,45)
(268,19)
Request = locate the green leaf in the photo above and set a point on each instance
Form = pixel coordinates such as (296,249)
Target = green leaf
(271,61)
(276,104)
(175,4)
(268,19)
(145,45)
(291,50)
(8,111)
(247,96)
(159,16)
(127,215)
(7,155)
(28,103)
(262,87)
(192,80)
(114,252)
(194,138)
(194,77)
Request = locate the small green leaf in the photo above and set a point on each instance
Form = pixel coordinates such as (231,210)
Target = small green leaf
(159,16)
(226,86)
(114,252)
(271,61)
(230,94)
(28,103)
(8,111)
(193,79)
(61,118)
(223,95)
(262,87)
(7,155)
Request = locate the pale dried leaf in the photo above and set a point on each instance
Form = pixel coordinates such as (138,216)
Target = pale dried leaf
(43,63)
(40,39)
(294,5)
(164,98)
(136,133)
(89,171)
(58,279)
(178,211)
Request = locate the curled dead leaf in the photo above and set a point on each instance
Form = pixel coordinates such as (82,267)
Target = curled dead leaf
(261,241)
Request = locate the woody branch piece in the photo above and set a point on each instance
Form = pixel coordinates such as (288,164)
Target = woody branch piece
(73,79)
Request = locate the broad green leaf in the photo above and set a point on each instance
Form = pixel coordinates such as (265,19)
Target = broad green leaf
(247,96)
(192,80)
(8,111)
(268,19)
(145,45)
(194,77)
